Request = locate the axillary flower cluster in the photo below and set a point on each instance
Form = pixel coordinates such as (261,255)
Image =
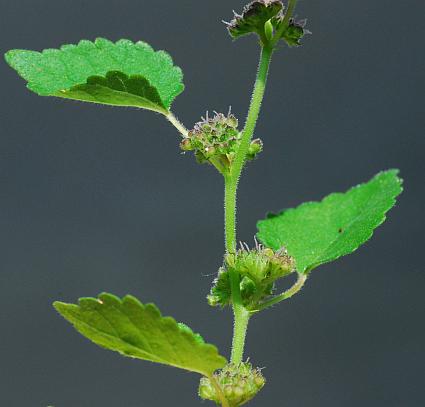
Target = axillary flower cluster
(259,269)
(239,383)
(216,139)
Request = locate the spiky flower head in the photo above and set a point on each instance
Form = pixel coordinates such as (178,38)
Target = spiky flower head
(239,383)
(264,18)
(261,263)
(254,17)
(217,139)
(259,269)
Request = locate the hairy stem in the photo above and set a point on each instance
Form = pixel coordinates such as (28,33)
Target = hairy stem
(302,278)
(177,124)
(230,190)
(254,111)
(241,315)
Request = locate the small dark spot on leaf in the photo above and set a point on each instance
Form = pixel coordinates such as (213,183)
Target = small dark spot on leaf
(340,230)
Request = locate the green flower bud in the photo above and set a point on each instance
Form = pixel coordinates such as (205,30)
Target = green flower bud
(209,152)
(232,121)
(259,381)
(238,393)
(186,144)
(255,148)
(239,384)
(228,391)
(207,128)
(200,157)
(206,390)
(268,30)
(220,292)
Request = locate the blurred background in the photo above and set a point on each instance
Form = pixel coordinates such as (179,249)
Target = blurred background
(99,199)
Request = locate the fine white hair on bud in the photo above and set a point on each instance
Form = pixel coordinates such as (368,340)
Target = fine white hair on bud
(259,269)
(239,383)
(217,139)
(264,18)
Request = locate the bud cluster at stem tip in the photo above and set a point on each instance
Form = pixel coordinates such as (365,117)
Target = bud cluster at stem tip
(265,18)
(259,269)
(238,384)
(216,140)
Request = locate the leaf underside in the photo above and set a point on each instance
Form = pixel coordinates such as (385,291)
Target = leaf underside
(315,233)
(68,72)
(140,331)
(117,89)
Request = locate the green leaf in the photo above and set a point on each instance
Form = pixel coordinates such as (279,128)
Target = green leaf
(117,89)
(126,73)
(319,232)
(140,331)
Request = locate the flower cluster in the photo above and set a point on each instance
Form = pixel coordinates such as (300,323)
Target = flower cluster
(216,140)
(259,268)
(264,18)
(261,264)
(238,383)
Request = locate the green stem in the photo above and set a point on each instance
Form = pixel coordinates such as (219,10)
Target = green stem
(302,278)
(241,314)
(254,111)
(285,23)
(230,190)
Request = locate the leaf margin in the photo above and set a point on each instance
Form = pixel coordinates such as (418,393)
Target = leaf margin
(302,206)
(64,309)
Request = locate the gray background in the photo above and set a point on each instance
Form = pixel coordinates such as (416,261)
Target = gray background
(100,199)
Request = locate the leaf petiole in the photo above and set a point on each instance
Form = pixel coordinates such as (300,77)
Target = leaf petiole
(302,278)
(177,124)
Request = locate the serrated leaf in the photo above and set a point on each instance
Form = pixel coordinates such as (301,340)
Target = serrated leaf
(68,71)
(140,331)
(319,232)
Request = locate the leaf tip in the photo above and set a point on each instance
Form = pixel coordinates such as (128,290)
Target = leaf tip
(393,174)
(9,56)
(60,307)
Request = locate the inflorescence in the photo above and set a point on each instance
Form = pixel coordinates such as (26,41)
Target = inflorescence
(216,140)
